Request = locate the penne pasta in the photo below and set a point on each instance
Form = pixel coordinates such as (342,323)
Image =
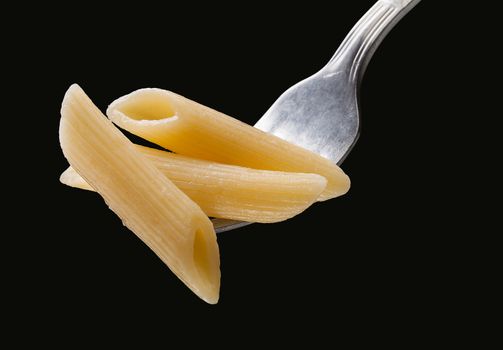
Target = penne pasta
(231,192)
(72,178)
(189,128)
(149,204)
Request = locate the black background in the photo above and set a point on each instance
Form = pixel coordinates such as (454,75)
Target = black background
(359,258)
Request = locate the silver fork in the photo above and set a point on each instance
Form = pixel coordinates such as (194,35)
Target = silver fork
(321,113)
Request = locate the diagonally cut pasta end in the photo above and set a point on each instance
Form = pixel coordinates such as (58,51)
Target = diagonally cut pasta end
(71,178)
(345,184)
(130,109)
(338,185)
(201,271)
(206,261)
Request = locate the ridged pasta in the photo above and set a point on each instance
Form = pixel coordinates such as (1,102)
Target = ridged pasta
(189,128)
(230,192)
(148,203)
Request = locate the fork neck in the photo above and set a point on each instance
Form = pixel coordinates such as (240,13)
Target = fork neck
(360,44)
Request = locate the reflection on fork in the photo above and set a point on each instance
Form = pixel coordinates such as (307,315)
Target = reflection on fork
(321,113)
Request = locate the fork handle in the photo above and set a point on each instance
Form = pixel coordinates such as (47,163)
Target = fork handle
(360,44)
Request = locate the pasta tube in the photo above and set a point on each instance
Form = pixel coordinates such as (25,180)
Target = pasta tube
(189,128)
(231,192)
(149,204)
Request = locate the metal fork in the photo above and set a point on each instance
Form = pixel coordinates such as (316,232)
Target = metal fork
(321,113)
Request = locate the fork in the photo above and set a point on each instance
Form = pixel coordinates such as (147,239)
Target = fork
(321,113)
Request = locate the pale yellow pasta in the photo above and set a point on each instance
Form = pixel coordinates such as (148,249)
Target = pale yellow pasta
(149,204)
(228,191)
(189,128)
(72,178)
